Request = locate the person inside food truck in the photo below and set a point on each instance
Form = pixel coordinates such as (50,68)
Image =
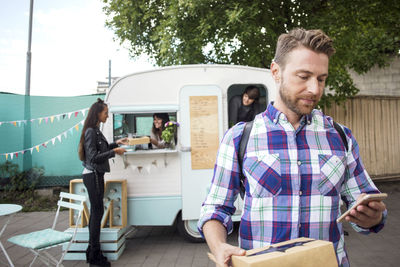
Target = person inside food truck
(159,120)
(244,107)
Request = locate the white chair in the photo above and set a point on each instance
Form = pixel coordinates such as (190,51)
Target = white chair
(38,242)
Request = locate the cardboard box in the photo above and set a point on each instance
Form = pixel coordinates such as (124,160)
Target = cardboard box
(139,140)
(299,252)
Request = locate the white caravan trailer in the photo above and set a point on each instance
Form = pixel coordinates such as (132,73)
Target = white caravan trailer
(169,185)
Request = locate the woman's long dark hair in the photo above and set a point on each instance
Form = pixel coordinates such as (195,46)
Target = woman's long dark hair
(91,121)
(165,118)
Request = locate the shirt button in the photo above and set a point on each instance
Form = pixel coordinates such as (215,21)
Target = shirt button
(300,193)
(275,120)
(299,162)
(299,225)
(308,122)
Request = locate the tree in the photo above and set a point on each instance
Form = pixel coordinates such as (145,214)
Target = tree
(244,32)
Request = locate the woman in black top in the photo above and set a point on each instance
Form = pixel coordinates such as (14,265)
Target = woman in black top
(94,151)
(244,107)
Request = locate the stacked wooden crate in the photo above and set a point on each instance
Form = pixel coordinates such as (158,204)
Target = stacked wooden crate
(113,226)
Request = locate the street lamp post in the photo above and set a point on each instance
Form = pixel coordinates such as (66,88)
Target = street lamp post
(27,159)
(29,54)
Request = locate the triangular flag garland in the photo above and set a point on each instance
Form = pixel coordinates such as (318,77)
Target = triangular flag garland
(46,119)
(44,144)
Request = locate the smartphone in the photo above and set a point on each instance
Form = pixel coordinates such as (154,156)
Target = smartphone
(362,201)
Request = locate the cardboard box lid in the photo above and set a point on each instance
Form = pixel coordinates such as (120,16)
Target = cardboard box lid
(139,140)
(299,252)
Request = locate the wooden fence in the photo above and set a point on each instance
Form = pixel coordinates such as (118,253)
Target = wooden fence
(375,122)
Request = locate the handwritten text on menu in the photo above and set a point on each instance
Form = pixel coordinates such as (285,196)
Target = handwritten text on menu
(203,131)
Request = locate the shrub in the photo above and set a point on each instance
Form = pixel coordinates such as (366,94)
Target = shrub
(13,180)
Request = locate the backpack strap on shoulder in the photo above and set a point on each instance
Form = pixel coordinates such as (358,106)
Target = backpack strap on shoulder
(340,130)
(242,149)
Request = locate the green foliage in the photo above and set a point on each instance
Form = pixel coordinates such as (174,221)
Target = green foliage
(169,133)
(175,32)
(16,181)
(8,169)
(29,200)
(18,188)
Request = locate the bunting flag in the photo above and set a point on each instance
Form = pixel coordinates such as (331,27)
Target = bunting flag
(46,119)
(141,170)
(148,167)
(44,144)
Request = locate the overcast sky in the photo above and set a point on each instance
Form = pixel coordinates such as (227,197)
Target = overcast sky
(70,47)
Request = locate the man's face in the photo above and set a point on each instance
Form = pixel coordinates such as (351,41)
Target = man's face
(301,83)
(246,100)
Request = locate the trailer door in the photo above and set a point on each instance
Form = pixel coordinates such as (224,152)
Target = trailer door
(201,132)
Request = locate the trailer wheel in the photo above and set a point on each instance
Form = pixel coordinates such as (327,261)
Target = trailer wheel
(188,230)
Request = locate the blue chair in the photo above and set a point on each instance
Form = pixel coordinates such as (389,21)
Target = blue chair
(40,241)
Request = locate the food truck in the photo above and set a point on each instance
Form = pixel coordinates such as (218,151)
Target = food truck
(168,186)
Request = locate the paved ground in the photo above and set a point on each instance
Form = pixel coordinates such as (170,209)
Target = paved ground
(162,246)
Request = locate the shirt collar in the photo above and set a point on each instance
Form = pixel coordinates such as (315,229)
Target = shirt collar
(273,114)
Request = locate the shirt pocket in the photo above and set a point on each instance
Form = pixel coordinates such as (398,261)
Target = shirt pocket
(332,171)
(263,174)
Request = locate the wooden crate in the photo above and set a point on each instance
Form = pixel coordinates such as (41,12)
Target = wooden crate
(112,243)
(76,186)
(115,204)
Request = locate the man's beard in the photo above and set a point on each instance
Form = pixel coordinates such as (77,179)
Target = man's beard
(292,101)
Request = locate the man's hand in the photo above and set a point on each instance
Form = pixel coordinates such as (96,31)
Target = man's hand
(215,234)
(367,215)
(224,252)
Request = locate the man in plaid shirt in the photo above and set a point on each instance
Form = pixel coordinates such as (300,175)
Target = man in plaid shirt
(296,165)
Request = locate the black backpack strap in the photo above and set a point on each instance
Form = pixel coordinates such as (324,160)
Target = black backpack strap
(339,129)
(242,149)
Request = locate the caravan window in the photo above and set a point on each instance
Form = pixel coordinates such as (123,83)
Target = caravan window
(135,125)
(237,111)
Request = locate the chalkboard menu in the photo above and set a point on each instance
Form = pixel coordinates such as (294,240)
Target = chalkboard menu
(203,131)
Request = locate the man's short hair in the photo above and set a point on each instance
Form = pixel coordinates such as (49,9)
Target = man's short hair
(315,40)
(252,92)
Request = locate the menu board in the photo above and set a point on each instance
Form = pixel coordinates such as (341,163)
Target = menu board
(203,131)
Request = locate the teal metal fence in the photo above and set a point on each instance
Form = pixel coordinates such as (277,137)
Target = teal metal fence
(52,140)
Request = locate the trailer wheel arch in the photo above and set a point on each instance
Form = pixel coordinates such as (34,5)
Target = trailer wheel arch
(188,230)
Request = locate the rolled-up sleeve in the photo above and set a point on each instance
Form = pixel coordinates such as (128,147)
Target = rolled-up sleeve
(225,184)
(357,182)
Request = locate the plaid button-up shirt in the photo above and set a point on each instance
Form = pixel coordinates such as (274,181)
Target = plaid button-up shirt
(294,181)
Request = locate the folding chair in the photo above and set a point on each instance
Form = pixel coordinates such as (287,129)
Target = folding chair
(38,242)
